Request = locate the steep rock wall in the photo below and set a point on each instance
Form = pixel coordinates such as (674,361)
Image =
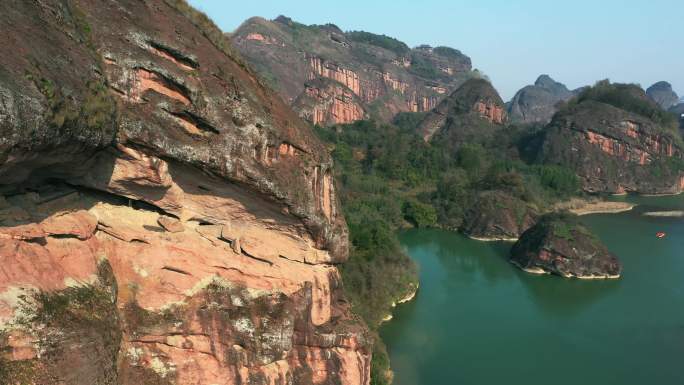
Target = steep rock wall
(164,218)
(327,102)
(296,58)
(615,151)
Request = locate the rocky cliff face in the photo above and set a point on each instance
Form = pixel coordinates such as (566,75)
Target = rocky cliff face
(330,76)
(559,245)
(164,218)
(537,103)
(471,113)
(663,95)
(614,150)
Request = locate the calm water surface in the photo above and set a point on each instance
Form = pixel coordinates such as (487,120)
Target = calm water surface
(478,320)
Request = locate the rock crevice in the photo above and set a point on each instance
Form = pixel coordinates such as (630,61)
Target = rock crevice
(182,229)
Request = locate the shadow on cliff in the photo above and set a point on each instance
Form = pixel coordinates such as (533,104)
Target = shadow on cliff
(217,198)
(36,186)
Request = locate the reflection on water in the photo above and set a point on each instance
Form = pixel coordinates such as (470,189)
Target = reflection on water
(479,320)
(565,298)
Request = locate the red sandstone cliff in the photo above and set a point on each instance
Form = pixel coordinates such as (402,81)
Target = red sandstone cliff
(615,151)
(330,76)
(164,218)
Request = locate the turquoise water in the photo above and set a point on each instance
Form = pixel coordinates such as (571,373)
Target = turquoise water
(478,320)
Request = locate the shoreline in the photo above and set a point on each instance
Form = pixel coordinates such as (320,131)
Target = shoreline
(589,277)
(600,207)
(536,270)
(662,194)
(491,239)
(540,271)
(409,297)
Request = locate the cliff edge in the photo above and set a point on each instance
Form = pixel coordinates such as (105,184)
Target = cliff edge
(164,217)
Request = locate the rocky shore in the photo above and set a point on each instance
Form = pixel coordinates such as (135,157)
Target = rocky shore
(558,244)
(408,298)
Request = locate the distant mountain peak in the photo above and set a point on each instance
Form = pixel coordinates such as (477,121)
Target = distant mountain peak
(661,92)
(537,103)
(661,85)
(544,81)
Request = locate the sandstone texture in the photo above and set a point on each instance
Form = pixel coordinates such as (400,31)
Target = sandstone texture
(539,102)
(164,217)
(330,76)
(559,245)
(474,112)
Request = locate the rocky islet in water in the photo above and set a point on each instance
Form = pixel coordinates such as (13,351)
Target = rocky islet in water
(558,244)
(500,319)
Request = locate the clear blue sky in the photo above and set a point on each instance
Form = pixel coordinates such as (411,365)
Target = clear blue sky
(576,42)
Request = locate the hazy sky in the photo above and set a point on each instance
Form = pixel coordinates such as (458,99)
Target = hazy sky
(576,42)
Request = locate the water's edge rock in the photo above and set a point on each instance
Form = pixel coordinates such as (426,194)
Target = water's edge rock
(558,244)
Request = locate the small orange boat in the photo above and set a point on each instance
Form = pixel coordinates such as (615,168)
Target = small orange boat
(660,234)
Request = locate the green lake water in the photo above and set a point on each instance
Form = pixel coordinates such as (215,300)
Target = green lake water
(478,320)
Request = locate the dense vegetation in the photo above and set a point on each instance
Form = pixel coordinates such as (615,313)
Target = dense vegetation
(423,67)
(383,41)
(447,52)
(207,26)
(390,178)
(629,97)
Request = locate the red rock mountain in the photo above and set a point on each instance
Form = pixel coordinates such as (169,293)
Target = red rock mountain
(617,141)
(474,112)
(330,76)
(164,217)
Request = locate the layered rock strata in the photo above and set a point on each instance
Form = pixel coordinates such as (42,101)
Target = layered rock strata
(164,217)
(615,151)
(332,77)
